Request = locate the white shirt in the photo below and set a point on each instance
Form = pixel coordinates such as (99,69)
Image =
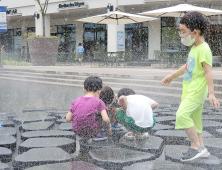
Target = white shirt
(139,108)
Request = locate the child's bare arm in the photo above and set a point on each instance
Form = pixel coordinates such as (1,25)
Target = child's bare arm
(69,117)
(154,106)
(167,80)
(106,121)
(209,79)
(123,103)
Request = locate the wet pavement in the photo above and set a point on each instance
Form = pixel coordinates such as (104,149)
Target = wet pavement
(37,144)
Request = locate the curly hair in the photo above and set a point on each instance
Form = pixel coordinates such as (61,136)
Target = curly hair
(195,20)
(93,84)
(106,95)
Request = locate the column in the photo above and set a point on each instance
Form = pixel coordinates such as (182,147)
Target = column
(38,22)
(47,25)
(154,37)
(24,40)
(79,33)
(112,32)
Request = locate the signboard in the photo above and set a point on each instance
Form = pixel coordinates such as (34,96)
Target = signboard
(120,40)
(74,4)
(3,23)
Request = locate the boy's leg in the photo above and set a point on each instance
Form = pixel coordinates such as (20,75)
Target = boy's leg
(188,117)
(192,135)
(200,139)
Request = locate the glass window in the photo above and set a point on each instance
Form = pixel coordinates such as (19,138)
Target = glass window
(59,29)
(170,37)
(30,30)
(88,36)
(89,25)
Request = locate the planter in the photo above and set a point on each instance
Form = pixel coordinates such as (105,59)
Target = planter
(42,50)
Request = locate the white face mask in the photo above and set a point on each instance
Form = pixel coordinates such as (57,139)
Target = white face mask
(188,41)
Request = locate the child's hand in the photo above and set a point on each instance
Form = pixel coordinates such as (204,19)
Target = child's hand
(108,132)
(167,80)
(213,101)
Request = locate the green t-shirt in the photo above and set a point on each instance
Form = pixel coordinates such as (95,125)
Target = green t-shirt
(194,82)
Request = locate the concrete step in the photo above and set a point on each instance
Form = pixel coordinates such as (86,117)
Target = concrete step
(141,84)
(105,79)
(110,75)
(175,83)
(136,84)
(157,96)
(133,85)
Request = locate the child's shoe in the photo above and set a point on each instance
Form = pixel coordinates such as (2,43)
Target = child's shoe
(100,137)
(142,135)
(117,127)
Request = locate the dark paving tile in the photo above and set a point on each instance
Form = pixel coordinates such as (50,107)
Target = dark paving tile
(47,133)
(59,121)
(160,110)
(33,118)
(174,152)
(166,120)
(160,165)
(39,109)
(9,115)
(65,126)
(41,156)
(87,145)
(34,126)
(218,133)
(212,117)
(217,110)
(160,127)
(64,143)
(152,145)
(58,114)
(164,113)
(75,165)
(176,137)
(118,133)
(5,155)
(8,123)
(207,111)
(116,158)
(211,126)
(4,166)
(8,131)
(7,141)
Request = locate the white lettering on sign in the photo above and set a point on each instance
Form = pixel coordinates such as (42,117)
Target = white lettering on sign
(2,16)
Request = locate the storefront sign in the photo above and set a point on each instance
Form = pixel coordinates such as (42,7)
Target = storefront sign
(75,4)
(11,11)
(120,39)
(3,23)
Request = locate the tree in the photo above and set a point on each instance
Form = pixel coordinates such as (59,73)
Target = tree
(43,10)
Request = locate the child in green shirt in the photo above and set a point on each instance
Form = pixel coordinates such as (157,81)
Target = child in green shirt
(197,80)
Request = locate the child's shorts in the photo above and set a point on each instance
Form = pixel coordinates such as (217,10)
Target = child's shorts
(189,115)
(129,123)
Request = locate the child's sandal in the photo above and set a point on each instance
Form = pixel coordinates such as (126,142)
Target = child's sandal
(130,137)
(142,136)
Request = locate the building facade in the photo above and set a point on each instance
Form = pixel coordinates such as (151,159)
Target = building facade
(61,21)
